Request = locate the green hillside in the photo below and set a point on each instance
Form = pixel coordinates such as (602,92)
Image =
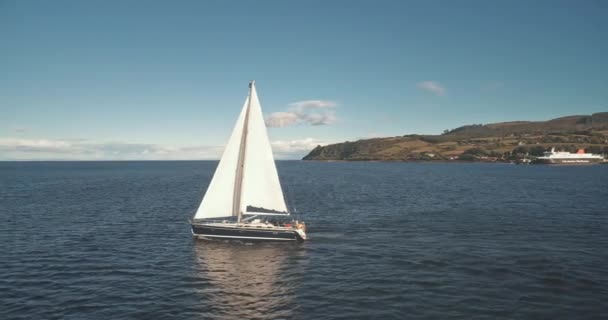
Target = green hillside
(504,141)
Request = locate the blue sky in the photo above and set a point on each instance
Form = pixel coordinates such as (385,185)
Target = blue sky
(166,79)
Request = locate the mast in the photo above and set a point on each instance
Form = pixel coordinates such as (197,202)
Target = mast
(240,167)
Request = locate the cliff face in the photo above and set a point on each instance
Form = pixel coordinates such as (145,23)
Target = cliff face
(478,141)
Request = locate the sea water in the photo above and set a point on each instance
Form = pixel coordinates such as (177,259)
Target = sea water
(111,240)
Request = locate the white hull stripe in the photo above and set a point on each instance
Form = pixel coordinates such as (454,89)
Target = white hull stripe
(240,237)
(242,228)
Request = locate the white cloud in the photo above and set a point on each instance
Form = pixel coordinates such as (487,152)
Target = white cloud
(68,149)
(282,119)
(312,104)
(311,112)
(432,86)
(74,149)
(320,119)
(294,149)
(35,144)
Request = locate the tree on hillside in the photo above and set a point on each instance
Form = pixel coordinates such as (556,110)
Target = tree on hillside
(476,151)
(535,151)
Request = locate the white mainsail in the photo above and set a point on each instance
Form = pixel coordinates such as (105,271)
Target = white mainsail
(218,199)
(256,183)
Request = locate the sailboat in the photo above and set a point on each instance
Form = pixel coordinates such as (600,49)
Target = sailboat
(244,200)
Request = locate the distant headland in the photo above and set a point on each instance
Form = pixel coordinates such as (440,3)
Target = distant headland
(495,142)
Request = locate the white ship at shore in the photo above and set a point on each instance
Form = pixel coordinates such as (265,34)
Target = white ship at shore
(561,157)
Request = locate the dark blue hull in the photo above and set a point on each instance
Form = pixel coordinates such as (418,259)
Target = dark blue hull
(243,234)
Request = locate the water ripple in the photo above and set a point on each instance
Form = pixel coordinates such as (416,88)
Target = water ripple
(110,240)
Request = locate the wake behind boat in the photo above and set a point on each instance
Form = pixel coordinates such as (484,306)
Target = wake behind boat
(244,200)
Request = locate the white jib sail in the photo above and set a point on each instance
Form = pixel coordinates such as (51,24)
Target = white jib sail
(261,187)
(218,199)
